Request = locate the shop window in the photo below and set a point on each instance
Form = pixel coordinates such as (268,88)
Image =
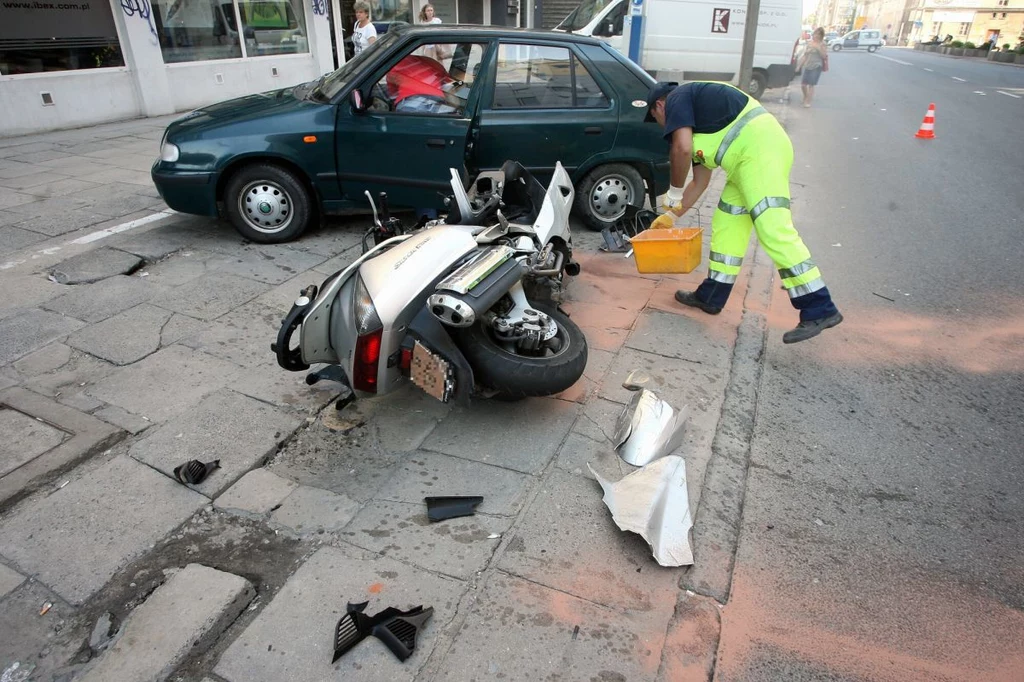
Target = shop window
(434,79)
(540,77)
(37,37)
(201,30)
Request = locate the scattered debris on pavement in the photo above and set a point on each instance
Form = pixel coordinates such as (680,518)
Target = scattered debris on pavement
(451,507)
(194,472)
(16,672)
(654,503)
(648,429)
(396,629)
(636,380)
(102,632)
(46,608)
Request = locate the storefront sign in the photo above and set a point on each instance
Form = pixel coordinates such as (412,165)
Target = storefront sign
(35,20)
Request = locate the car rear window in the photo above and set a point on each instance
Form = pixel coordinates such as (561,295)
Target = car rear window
(543,77)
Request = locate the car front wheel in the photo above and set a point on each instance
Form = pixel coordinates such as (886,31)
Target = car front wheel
(606,191)
(268,204)
(836,48)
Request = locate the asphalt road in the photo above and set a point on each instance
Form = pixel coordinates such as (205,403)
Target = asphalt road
(881,529)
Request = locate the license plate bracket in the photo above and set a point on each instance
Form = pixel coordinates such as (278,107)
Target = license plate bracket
(432,373)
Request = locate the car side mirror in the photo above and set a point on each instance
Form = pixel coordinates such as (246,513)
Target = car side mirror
(608,29)
(358,104)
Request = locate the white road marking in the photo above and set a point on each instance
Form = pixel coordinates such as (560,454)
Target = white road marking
(1008,94)
(929,70)
(979,92)
(898,61)
(962,80)
(92,237)
(123,227)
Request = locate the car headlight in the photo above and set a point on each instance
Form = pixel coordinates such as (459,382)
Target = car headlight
(169,152)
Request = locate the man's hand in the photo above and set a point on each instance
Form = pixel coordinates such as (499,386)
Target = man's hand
(673,200)
(665,221)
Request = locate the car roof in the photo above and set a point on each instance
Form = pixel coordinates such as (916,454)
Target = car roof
(493,31)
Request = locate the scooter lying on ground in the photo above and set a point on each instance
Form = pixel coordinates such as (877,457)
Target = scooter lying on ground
(447,305)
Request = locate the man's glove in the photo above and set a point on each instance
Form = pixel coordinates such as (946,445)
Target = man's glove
(666,221)
(673,200)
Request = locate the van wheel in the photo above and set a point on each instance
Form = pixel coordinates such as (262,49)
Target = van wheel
(606,191)
(836,48)
(873,48)
(268,204)
(758,84)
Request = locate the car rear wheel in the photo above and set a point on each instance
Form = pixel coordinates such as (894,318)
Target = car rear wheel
(268,204)
(872,48)
(606,191)
(758,84)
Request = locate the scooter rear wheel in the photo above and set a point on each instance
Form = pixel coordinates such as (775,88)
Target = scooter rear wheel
(513,376)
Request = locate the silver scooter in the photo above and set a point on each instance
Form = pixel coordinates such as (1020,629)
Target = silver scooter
(464,306)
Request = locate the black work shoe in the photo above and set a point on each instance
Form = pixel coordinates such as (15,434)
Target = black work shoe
(690,298)
(810,328)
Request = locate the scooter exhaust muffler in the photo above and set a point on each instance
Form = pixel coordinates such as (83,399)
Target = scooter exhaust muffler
(476,286)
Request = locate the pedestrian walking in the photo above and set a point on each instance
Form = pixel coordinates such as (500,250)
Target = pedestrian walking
(813,62)
(365,33)
(426,15)
(710,125)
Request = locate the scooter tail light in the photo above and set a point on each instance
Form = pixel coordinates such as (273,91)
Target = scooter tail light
(367,319)
(367,361)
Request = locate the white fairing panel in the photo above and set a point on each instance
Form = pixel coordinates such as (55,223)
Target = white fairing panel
(553,218)
(397,277)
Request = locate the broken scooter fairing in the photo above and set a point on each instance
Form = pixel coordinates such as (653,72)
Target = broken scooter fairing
(397,629)
(648,429)
(653,502)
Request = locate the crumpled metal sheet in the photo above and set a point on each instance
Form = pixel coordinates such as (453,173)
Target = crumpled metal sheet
(648,428)
(654,503)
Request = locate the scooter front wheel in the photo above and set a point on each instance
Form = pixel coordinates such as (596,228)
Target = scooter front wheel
(512,375)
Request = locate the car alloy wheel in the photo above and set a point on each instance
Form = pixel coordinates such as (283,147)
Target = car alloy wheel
(265,206)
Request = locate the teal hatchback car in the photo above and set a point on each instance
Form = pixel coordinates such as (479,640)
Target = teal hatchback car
(418,102)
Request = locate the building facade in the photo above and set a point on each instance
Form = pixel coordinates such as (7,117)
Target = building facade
(72,63)
(1000,22)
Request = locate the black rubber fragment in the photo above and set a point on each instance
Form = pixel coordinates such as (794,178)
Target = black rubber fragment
(441,508)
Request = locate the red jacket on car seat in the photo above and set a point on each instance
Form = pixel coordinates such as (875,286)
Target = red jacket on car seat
(416,75)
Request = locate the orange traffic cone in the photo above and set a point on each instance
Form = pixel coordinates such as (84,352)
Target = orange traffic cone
(927,129)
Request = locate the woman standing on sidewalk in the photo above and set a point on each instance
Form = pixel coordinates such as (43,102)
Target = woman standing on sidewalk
(813,62)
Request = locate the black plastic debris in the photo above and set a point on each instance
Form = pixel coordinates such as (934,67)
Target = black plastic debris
(194,472)
(395,628)
(441,508)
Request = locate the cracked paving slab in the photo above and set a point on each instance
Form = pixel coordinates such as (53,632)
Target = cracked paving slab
(291,638)
(567,527)
(94,265)
(106,298)
(104,520)
(567,638)
(124,338)
(184,377)
(459,547)
(237,430)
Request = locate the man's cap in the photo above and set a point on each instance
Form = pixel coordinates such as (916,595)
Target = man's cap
(658,90)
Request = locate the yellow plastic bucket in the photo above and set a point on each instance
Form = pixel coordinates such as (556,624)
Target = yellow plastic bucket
(667,250)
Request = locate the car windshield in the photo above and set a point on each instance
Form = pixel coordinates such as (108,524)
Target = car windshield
(336,82)
(583,14)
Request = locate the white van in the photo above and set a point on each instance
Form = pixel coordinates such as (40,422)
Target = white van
(865,37)
(699,39)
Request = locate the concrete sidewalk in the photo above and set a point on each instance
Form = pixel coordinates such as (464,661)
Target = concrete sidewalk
(161,354)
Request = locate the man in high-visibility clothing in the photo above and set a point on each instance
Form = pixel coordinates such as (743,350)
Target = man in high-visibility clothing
(710,125)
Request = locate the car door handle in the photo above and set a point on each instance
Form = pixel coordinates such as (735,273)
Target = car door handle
(592,130)
(435,143)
